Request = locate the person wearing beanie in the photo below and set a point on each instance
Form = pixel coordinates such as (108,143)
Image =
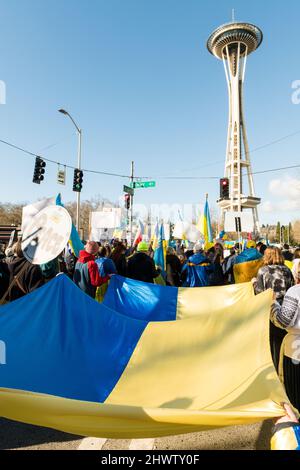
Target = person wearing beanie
(141,266)
(86,274)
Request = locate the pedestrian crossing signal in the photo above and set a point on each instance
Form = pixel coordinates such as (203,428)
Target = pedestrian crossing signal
(78,180)
(39,170)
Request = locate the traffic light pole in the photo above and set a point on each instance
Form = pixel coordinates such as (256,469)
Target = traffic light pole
(79,168)
(131,205)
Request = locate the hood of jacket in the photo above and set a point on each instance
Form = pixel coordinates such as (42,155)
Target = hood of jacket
(198,258)
(85,257)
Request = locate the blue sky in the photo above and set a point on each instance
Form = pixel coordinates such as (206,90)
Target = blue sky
(137,77)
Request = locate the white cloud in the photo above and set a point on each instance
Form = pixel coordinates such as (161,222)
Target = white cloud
(287,192)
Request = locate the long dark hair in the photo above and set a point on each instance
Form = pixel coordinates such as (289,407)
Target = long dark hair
(117,252)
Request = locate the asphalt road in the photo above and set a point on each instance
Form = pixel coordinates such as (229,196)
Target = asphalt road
(16,436)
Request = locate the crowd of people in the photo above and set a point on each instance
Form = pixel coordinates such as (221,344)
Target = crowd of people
(278,269)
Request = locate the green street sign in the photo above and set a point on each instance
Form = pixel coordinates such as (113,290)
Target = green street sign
(128,190)
(143,184)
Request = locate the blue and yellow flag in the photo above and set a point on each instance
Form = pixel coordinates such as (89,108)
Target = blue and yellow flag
(205,224)
(160,250)
(74,365)
(75,243)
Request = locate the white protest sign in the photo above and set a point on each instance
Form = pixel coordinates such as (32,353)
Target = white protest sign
(47,235)
(247,223)
(30,211)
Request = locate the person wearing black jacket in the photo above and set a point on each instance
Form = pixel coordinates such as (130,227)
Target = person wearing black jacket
(141,267)
(23,276)
(173,268)
(119,259)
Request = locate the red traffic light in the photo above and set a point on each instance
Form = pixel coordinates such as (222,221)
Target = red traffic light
(224,188)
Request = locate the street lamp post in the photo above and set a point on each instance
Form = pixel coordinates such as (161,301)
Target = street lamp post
(79,131)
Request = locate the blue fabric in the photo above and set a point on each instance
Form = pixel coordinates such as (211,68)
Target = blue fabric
(297,434)
(106,266)
(196,274)
(61,342)
(141,300)
(250,254)
(160,251)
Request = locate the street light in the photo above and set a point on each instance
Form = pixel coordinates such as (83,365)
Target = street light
(63,111)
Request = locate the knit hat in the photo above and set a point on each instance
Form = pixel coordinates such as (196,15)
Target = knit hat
(92,248)
(143,247)
(251,244)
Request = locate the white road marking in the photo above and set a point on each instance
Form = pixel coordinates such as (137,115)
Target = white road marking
(92,443)
(142,444)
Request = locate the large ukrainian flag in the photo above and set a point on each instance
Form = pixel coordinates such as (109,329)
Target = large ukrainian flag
(83,368)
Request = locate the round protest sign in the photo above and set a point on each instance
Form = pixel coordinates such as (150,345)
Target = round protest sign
(47,235)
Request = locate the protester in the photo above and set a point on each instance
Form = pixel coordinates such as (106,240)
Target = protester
(141,266)
(173,267)
(70,263)
(119,258)
(278,277)
(247,263)
(2,252)
(287,317)
(296,263)
(106,265)
(86,275)
(50,269)
(286,253)
(216,277)
(227,266)
(261,248)
(286,432)
(197,269)
(23,277)
(4,278)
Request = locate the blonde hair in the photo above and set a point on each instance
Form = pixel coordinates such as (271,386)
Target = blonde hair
(17,249)
(273,256)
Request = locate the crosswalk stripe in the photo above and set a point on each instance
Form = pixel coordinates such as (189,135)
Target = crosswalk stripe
(142,444)
(91,443)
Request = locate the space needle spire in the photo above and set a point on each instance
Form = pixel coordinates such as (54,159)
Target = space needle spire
(232,43)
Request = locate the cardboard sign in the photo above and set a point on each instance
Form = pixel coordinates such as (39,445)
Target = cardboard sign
(47,235)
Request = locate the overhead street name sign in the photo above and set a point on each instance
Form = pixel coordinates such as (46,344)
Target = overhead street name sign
(143,184)
(128,190)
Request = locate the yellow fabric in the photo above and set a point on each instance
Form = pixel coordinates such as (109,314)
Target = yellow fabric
(213,363)
(244,272)
(194,302)
(284,439)
(251,244)
(212,370)
(160,281)
(100,292)
(289,264)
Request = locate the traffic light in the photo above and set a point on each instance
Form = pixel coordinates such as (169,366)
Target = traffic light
(224,188)
(127,201)
(78,180)
(39,170)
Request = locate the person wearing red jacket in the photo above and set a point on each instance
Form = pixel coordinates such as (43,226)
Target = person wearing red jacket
(86,274)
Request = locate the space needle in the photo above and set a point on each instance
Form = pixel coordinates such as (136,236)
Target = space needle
(232,43)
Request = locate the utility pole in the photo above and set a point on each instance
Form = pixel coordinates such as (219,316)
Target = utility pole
(131,204)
